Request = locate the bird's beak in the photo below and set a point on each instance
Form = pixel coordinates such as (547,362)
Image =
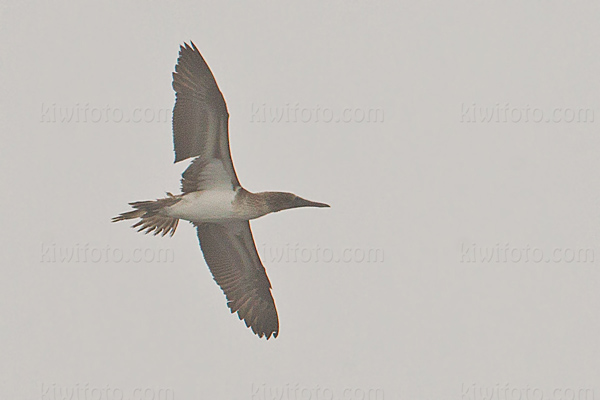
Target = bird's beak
(300,202)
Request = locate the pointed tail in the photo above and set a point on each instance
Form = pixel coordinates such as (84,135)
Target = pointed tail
(151,218)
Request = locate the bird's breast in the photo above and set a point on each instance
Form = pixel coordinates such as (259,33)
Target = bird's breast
(204,206)
(214,206)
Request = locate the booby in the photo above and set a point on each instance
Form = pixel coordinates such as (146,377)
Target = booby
(212,198)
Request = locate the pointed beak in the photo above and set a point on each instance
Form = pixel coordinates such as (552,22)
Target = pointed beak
(300,202)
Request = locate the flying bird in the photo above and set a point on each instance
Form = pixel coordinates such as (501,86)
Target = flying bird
(212,198)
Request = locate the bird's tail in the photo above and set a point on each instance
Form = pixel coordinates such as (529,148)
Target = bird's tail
(151,218)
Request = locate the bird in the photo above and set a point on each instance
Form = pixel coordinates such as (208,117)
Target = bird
(212,198)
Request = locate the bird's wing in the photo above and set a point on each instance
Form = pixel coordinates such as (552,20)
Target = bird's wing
(231,255)
(200,121)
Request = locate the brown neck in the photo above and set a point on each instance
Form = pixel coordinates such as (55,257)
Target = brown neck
(265,202)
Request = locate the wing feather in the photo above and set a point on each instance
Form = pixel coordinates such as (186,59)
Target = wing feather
(200,117)
(231,255)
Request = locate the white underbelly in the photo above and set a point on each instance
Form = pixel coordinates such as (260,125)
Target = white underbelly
(204,206)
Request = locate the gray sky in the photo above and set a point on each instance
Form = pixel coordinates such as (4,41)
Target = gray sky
(457,143)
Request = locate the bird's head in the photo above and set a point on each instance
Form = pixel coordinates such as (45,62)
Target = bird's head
(277,201)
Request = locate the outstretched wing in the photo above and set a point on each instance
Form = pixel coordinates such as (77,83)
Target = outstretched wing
(231,255)
(200,117)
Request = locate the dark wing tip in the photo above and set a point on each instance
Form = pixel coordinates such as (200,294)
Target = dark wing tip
(185,47)
(258,315)
(272,333)
(266,328)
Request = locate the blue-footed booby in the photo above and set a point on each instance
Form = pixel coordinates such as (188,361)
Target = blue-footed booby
(212,198)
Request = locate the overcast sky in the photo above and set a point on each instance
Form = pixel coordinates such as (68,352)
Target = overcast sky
(457,143)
